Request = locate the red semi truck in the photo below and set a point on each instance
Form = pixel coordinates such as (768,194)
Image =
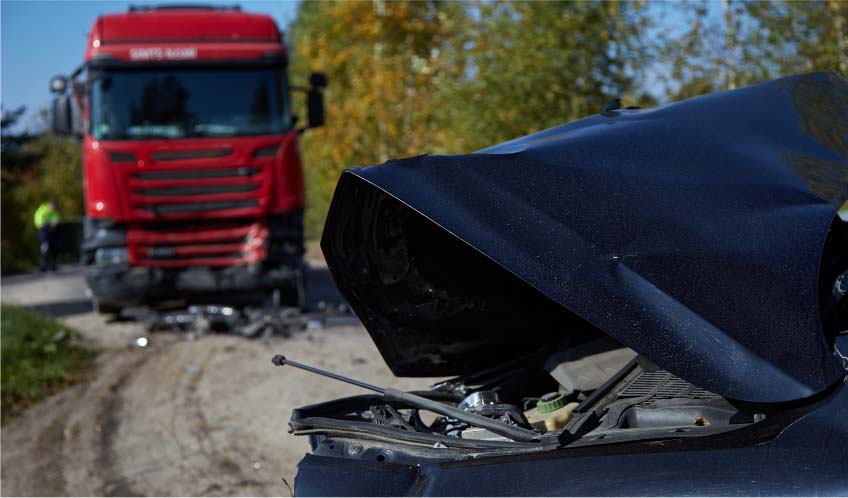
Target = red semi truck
(192,174)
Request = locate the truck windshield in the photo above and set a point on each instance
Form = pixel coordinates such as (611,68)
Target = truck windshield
(139,104)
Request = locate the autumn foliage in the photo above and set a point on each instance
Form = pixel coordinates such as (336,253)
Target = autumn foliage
(441,77)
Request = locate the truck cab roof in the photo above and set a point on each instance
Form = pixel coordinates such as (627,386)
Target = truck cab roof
(190,32)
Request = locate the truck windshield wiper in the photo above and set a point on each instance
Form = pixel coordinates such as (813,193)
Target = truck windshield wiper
(421,403)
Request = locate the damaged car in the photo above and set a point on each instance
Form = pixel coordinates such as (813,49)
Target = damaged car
(641,302)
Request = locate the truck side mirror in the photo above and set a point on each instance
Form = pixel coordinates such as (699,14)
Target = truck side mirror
(61,115)
(315,99)
(58,85)
(318,80)
(315,104)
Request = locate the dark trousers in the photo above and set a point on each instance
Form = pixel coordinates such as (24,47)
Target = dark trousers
(47,240)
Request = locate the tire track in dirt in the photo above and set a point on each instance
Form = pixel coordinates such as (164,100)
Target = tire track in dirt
(221,465)
(186,412)
(167,432)
(194,414)
(49,443)
(109,415)
(186,415)
(193,407)
(64,445)
(169,419)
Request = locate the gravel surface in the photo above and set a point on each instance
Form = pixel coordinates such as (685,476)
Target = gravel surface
(204,415)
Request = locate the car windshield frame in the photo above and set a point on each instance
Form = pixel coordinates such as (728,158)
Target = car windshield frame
(182,118)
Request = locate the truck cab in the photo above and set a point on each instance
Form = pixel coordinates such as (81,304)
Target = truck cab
(192,174)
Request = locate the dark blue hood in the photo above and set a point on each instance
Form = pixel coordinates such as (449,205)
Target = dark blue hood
(691,233)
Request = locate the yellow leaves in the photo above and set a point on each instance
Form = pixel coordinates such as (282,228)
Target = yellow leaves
(408,78)
(383,100)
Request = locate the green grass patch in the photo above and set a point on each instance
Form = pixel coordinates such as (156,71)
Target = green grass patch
(39,357)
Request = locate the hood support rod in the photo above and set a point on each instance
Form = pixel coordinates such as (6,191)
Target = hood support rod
(496,426)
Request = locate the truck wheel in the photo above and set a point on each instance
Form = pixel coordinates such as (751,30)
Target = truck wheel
(293,296)
(104,308)
(300,287)
(287,297)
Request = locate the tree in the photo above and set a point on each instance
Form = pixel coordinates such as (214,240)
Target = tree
(539,64)
(386,69)
(11,117)
(806,36)
(409,78)
(35,168)
(751,41)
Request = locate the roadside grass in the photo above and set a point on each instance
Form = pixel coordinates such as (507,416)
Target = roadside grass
(39,357)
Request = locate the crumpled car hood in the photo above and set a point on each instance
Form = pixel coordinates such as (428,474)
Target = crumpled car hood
(691,233)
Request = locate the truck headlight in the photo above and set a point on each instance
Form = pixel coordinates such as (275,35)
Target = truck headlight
(111,256)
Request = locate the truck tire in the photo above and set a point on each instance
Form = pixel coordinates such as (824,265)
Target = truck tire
(292,296)
(102,308)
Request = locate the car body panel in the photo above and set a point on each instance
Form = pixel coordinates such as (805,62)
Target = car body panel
(691,233)
(808,458)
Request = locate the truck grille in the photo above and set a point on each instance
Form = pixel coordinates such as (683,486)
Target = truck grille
(197,206)
(195,174)
(198,244)
(198,192)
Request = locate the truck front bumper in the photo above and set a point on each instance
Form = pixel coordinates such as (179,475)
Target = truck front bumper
(123,285)
(116,283)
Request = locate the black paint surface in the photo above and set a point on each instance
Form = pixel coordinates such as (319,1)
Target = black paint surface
(691,232)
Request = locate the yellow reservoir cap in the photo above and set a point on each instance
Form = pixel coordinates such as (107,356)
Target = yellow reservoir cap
(552,420)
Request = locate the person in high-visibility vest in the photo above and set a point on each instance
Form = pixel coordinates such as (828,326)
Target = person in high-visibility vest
(46,219)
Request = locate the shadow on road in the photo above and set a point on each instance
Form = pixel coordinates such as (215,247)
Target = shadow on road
(61,309)
(321,293)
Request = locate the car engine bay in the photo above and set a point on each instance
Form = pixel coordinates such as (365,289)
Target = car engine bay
(608,395)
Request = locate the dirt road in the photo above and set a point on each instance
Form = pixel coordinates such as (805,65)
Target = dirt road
(206,416)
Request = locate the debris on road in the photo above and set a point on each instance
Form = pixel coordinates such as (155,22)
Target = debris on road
(249,322)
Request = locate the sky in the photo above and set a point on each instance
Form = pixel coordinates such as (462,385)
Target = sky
(41,39)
